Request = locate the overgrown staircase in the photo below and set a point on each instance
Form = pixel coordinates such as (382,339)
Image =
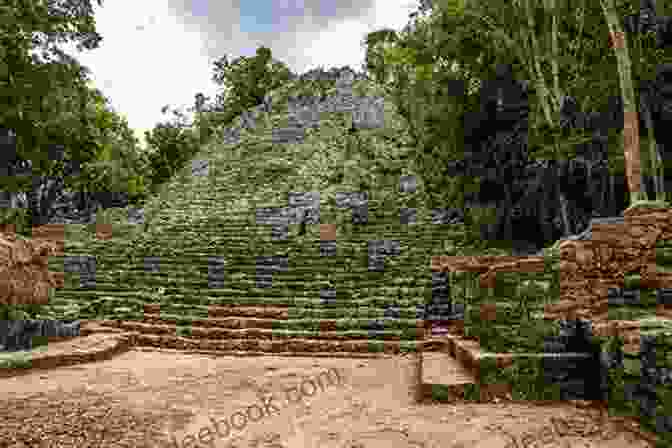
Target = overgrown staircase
(153,281)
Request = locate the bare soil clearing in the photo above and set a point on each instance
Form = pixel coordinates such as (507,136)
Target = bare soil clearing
(145,397)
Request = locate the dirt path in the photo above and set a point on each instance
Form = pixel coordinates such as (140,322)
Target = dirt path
(145,398)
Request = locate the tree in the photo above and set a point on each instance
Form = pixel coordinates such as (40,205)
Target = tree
(546,50)
(631,129)
(374,43)
(118,164)
(201,121)
(172,143)
(246,81)
(468,37)
(28,25)
(49,96)
(642,27)
(51,108)
(443,47)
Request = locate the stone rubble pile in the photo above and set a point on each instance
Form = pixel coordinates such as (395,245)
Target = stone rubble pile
(25,279)
(653,376)
(581,378)
(24,274)
(593,268)
(304,111)
(53,202)
(18,335)
(590,268)
(333,74)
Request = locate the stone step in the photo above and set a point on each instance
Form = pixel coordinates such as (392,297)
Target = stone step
(261,312)
(237,323)
(262,315)
(216,353)
(293,345)
(270,341)
(630,331)
(462,365)
(445,373)
(88,327)
(401,309)
(437,368)
(277,289)
(89,348)
(197,331)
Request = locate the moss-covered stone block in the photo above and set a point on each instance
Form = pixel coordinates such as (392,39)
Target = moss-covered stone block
(649,204)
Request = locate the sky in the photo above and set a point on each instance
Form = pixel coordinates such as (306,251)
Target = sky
(160,52)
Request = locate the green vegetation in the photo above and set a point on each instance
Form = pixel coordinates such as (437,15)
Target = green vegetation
(51,101)
(650,204)
(189,219)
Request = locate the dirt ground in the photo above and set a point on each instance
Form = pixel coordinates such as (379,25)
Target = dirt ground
(170,399)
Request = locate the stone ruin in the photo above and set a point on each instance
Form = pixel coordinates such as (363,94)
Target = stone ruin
(592,267)
(304,110)
(592,271)
(304,113)
(369,113)
(26,279)
(589,269)
(334,74)
(24,262)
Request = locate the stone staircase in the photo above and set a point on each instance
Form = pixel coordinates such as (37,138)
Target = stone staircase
(200,270)
(453,362)
(254,331)
(448,361)
(458,362)
(219,264)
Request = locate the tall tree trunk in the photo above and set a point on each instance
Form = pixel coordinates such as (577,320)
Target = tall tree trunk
(556,53)
(548,106)
(604,185)
(543,216)
(654,153)
(536,64)
(612,193)
(563,213)
(508,216)
(631,124)
(663,196)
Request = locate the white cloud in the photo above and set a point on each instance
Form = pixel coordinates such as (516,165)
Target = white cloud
(154,53)
(141,70)
(341,43)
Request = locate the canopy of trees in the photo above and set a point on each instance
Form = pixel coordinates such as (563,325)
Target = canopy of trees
(56,123)
(245,82)
(561,47)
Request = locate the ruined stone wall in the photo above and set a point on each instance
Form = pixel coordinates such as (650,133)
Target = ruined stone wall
(588,269)
(24,274)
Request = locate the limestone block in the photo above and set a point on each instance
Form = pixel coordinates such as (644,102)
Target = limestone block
(569,267)
(487,280)
(531,264)
(574,283)
(611,233)
(644,235)
(24,277)
(561,306)
(584,256)
(407,184)
(327,232)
